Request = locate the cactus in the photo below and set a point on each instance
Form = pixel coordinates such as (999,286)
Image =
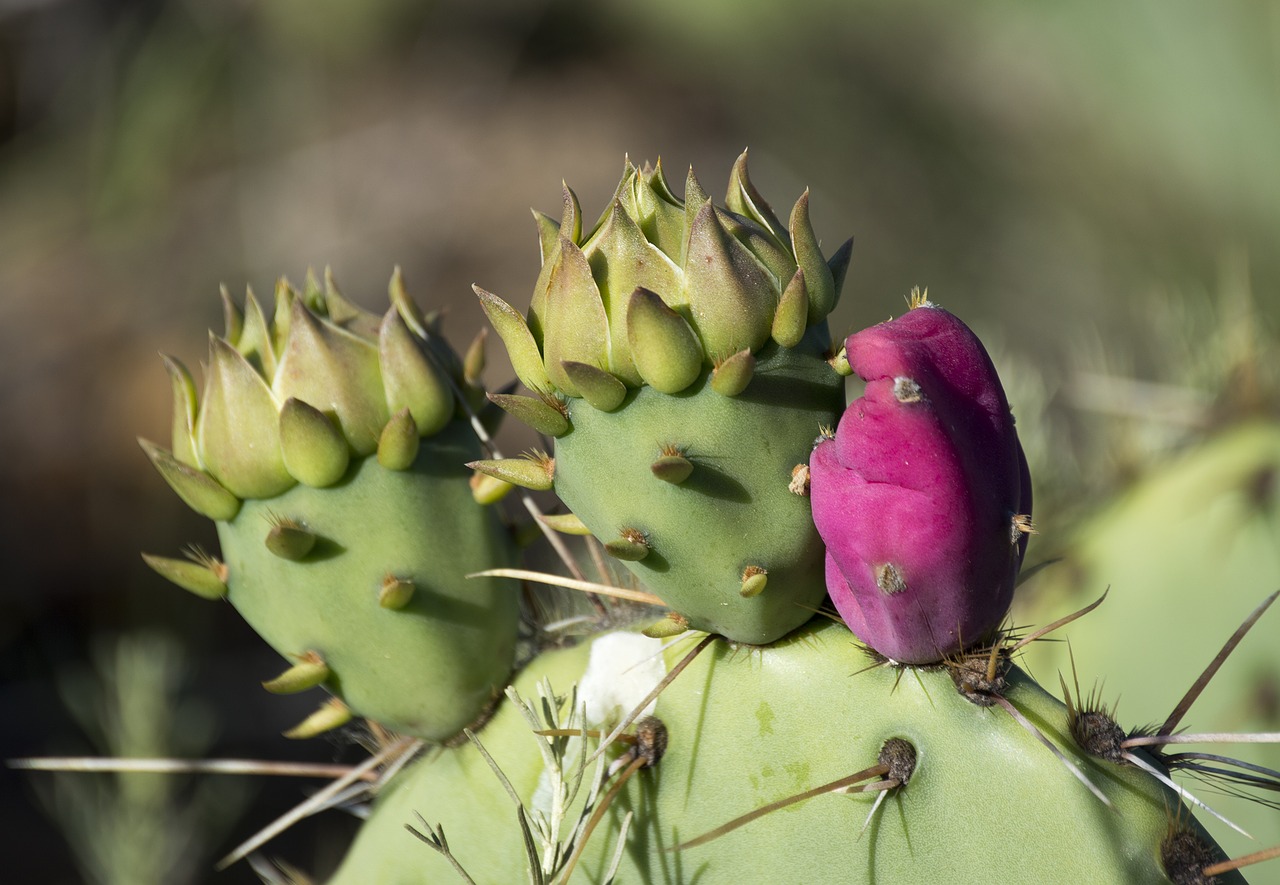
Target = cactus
(746,728)
(327,448)
(678,354)
(679,358)
(1198,527)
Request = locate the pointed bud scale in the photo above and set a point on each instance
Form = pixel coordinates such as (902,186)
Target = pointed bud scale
(232,316)
(570,214)
(669,625)
(238,431)
(792,317)
(537,413)
(486,490)
(548,234)
(315,452)
(665,348)
(565,523)
(343,312)
(672,466)
(839,265)
(732,376)
(255,343)
(395,593)
(207,579)
(310,671)
(511,327)
(473,362)
(598,387)
(622,259)
(285,296)
(694,199)
(399,442)
(313,293)
(184,411)
(818,278)
(200,491)
(631,545)
(731,296)
(332,714)
(290,541)
(754,580)
(660,215)
(411,378)
(574,324)
(406,306)
(336,371)
(537,474)
(744,199)
(915,493)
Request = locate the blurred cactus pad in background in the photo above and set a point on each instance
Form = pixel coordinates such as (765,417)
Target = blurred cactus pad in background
(1093,191)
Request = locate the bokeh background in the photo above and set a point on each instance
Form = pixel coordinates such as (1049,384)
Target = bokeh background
(1095,187)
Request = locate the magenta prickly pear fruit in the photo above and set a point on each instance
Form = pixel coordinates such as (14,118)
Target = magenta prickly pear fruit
(922,495)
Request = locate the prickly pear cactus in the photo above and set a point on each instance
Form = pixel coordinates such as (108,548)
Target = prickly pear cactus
(327,449)
(679,355)
(979,800)
(1190,550)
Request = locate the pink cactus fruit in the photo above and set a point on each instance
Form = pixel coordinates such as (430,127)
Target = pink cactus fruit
(923,495)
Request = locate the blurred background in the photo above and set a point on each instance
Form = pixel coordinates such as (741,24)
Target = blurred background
(1094,187)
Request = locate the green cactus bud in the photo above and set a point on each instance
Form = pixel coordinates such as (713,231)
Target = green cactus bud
(819,280)
(754,580)
(669,625)
(398,445)
(539,414)
(288,540)
(666,350)
(565,523)
(238,431)
(395,593)
(473,363)
(332,714)
(792,317)
(308,672)
(536,472)
(488,490)
(334,369)
(314,450)
(200,491)
(184,411)
(631,545)
(731,295)
(731,376)
(515,335)
(201,574)
(672,466)
(232,316)
(598,387)
(411,378)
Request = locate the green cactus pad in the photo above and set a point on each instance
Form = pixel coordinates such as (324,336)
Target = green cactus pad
(1188,553)
(732,511)
(687,344)
(428,668)
(985,803)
